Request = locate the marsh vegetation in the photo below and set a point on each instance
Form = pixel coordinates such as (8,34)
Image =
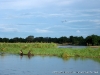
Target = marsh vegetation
(49,49)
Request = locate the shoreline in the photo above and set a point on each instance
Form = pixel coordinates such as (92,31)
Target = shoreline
(94,46)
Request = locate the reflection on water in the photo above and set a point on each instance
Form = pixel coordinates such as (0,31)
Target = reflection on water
(47,65)
(27,56)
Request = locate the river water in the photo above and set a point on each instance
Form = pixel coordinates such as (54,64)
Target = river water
(70,46)
(47,65)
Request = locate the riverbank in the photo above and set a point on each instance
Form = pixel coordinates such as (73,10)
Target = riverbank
(49,49)
(94,46)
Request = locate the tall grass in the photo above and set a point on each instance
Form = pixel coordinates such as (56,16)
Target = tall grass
(48,49)
(84,52)
(15,47)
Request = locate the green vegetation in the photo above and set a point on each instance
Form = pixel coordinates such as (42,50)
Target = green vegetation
(48,49)
(92,40)
(25,47)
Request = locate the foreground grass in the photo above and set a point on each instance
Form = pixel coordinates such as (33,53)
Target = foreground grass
(48,49)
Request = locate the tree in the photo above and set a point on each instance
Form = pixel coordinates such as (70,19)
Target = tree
(92,40)
(71,39)
(99,40)
(16,39)
(63,39)
(30,38)
(5,40)
(0,39)
(95,40)
(81,40)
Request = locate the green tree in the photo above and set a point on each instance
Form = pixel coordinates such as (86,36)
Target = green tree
(92,40)
(63,39)
(95,39)
(0,39)
(5,39)
(30,38)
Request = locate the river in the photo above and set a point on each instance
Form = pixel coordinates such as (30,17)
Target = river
(70,46)
(47,65)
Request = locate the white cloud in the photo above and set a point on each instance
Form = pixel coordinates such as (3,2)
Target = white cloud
(30,14)
(95,21)
(42,30)
(18,4)
(65,2)
(28,4)
(4,29)
(42,14)
(81,13)
(8,28)
(78,31)
(77,21)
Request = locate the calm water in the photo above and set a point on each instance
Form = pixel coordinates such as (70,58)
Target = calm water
(70,46)
(46,65)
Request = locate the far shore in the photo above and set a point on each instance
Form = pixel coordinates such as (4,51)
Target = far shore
(77,45)
(94,46)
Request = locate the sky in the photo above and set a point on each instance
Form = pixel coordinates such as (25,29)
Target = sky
(49,18)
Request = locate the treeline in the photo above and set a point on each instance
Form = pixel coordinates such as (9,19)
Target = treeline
(72,40)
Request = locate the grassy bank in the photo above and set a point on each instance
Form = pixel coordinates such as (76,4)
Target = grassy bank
(48,49)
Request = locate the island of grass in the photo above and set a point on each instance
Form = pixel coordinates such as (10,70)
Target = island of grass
(49,49)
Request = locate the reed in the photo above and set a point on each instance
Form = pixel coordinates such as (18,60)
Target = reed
(48,49)
(15,47)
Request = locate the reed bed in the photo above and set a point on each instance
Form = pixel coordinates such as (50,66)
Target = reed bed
(48,49)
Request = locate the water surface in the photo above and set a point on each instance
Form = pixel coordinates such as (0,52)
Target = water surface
(47,65)
(70,46)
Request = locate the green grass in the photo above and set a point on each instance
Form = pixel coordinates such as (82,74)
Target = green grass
(48,49)
(25,47)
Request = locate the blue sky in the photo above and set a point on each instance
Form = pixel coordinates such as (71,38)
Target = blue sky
(49,18)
